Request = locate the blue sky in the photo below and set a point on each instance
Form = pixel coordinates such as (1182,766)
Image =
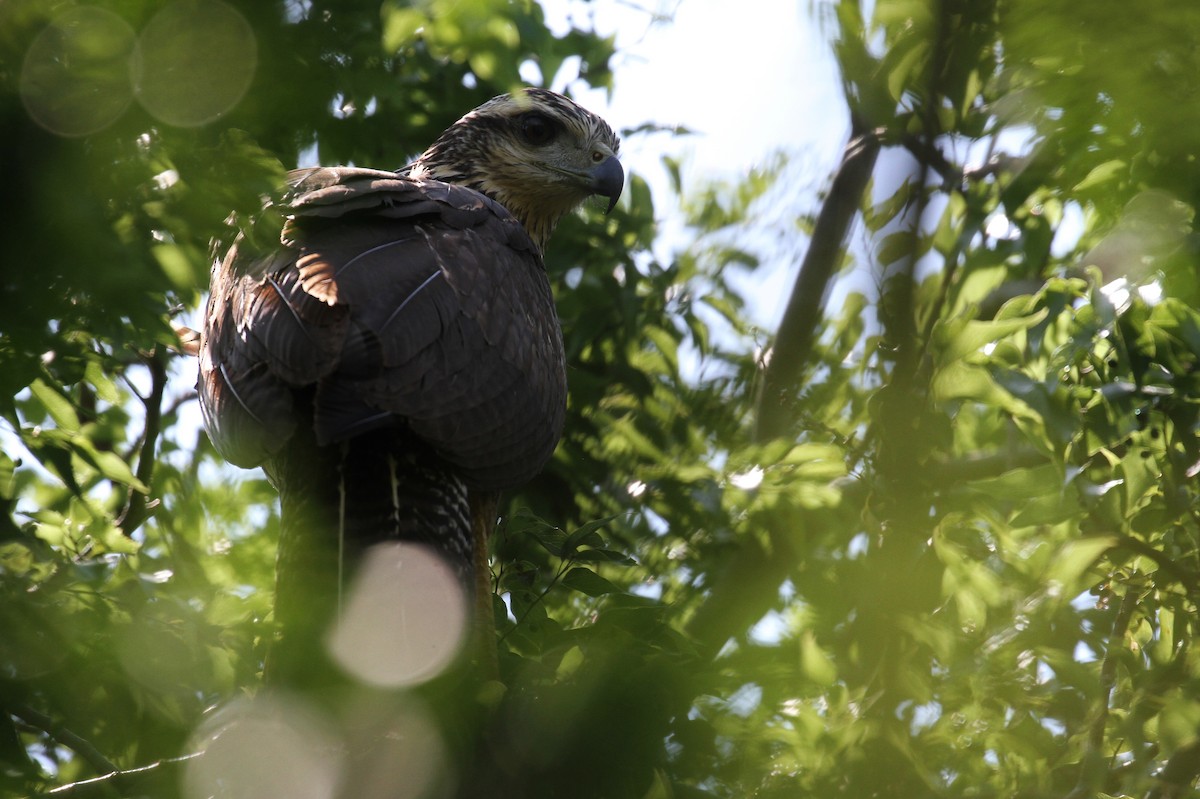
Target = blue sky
(751,78)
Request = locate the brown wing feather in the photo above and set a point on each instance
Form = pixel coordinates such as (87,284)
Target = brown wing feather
(392,302)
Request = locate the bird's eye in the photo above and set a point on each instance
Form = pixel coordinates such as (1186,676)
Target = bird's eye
(537,129)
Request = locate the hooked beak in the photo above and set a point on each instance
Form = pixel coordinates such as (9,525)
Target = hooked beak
(608,179)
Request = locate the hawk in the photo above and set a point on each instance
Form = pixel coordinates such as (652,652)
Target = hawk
(393,358)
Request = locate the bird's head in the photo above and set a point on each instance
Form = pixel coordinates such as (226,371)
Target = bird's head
(535,152)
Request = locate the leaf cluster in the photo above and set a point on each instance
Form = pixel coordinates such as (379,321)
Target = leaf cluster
(966,562)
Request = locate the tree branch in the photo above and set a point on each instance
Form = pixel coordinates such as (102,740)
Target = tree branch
(952,175)
(1108,669)
(745,589)
(1165,563)
(794,341)
(120,781)
(1086,786)
(981,466)
(77,744)
(484,508)
(135,506)
(1178,777)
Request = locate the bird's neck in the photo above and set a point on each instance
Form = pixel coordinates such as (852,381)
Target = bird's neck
(539,215)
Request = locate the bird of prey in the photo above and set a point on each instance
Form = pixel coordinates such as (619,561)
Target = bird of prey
(393,358)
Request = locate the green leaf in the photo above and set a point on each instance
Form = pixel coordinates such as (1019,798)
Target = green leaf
(884,212)
(588,582)
(57,405)
(1104,173)
(1179,721)
(896,247)
(572,659)
(586,535)
(106,388)
(176,265)
(549,538)
(815,662)
(1049,508)
(603,556)
(972,610)
(1141,477)
(961,338)
(525,523)
(1022,484)
(114,540)
(1076,557)
(7,474)
(15,558)
(971,89)
(961,380)
(901,74)
(666,343)
(400,26)
(108,464)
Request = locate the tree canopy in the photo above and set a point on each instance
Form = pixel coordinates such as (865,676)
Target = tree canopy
(938,534)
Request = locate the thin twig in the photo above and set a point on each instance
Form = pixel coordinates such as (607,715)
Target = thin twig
(1166,564)
(981,466)
(136,503)
(1108,669)
(1178,777)
(562,570)
(1108,680)
(484,508)
(76,743)
(114,780)
(926,152)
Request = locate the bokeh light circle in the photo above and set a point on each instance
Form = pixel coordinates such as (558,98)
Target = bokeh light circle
(75,75)
(264,747)
(193,62)
(397,751)
(404,618)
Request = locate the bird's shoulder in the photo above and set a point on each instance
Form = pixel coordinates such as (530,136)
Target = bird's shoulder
(334,192)
(316,197)
(387,298)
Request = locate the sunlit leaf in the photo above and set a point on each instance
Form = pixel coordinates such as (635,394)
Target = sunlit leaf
(59,408)
(962,338)
(1102,174)
(109,464)
(815,663)
(1075,557)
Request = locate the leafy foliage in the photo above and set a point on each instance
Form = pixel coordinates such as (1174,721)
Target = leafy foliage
(967,566)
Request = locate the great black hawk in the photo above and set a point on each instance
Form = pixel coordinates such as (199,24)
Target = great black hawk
(394,358)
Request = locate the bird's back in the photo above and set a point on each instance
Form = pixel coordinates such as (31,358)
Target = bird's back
(395,353)
(394,305)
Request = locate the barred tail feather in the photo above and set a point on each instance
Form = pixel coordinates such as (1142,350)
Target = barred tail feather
(403,493)
(337,502)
